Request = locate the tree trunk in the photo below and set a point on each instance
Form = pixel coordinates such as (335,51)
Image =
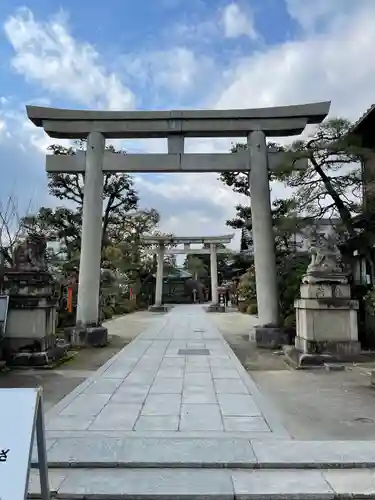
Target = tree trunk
(345,214)
(341,208)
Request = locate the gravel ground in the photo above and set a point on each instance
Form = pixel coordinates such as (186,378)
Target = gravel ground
(314,404)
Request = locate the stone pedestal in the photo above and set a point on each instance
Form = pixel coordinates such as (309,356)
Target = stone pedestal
(30,335)
(326,318)
(272,337)
(216,308)
(79,336)
(158,309)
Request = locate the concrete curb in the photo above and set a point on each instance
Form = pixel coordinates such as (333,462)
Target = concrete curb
(188,484)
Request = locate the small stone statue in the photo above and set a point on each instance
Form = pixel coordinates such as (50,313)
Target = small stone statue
(325,259)
(30,255)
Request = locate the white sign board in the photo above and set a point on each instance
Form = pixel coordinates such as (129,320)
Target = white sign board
(20,413)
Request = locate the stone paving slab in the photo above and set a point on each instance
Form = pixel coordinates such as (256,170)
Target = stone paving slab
(315,453)
(149,387)
(151,451)
(225,484)
(219,435)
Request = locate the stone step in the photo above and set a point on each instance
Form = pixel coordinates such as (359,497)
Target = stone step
(212,453)
(224,484)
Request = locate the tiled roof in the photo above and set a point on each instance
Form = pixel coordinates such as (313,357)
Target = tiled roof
(363,117)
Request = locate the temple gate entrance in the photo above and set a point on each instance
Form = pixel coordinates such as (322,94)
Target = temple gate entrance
(175,126)
(162,241)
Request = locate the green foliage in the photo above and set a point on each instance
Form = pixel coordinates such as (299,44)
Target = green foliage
(196,266)
(126,306)
(370,301)
(119,195)
(124,256)
(329,184)
(170,264)
(252,309)
(290,321)
(242,307)
(290,271)
(203,266)
(107,312)
(246,286)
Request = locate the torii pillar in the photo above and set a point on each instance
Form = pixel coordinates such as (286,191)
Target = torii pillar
(263,237)
(91,239)
(159,279)
(213,272)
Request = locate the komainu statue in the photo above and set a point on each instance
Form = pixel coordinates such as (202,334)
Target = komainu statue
(30,255)
(325,260)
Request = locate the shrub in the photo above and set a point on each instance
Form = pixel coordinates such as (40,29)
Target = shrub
(126,306)
(252,309)
(246,286)
(242,307)
(107,312)
(290,321)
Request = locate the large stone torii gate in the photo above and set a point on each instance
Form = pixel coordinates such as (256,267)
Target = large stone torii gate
(97,126)
(162,241)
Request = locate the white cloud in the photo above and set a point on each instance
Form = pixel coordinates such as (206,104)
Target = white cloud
(192,204)
(3,129)
(335,65)
(18,130)
(333,62)
(237,22)
(193,186)
(309,14)
(177,69)
(46,53)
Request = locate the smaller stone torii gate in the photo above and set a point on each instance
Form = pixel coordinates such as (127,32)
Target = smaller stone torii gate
(162,241)
(175,126)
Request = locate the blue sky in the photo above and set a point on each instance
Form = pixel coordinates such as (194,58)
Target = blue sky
(168,54)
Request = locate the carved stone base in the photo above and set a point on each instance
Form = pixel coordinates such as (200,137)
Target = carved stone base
(298,359)
(273,337)
(215,308)
(318,277)
(159,309)
(336,348)
(327,324)
(92,336)
(12,345)
(39,359)
(31,325)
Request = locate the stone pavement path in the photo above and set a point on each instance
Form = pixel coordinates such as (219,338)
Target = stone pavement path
(178,378)
(175,415)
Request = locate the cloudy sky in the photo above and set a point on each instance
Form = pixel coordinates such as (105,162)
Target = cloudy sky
(170,54)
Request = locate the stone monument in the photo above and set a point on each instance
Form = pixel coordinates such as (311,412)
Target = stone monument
(30,335)
(326,317)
